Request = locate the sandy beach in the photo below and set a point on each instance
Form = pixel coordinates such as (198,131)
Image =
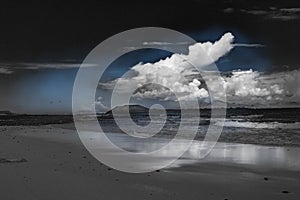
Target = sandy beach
(49,162)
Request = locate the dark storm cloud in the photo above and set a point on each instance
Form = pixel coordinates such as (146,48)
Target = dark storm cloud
(5,70)
(267,10)
(228,10)
(283,14)
(10,68)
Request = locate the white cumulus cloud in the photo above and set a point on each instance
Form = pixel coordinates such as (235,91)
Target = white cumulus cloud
(252,88)
(172,72)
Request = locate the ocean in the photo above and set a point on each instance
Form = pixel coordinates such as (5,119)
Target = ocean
(278,127)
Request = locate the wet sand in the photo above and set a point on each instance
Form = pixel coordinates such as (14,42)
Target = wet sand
(55,165)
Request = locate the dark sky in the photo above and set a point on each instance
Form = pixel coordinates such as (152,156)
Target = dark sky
(58,31)
(39,34)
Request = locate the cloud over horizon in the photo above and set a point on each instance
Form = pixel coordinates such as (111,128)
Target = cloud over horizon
(246,88)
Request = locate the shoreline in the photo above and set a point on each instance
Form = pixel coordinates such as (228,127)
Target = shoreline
(223,153)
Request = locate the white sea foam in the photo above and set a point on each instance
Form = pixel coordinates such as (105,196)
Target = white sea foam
(259,125)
